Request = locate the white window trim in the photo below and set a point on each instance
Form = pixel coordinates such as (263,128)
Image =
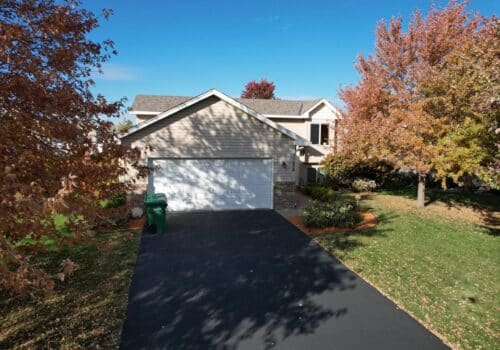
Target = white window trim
(319,122)
(335,111)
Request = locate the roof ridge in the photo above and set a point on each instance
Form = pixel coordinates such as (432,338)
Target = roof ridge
(212,92)
(160,103)
(238,98)
(279,99)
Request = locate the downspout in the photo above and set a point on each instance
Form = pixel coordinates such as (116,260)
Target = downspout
(296,159)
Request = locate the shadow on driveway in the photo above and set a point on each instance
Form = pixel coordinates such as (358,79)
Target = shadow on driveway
(251,280)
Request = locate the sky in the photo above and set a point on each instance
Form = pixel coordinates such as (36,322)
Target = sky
(307,48)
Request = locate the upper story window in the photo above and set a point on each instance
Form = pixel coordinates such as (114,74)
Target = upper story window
(319,133)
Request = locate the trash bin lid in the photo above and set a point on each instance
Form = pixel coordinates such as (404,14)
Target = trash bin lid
(155,199)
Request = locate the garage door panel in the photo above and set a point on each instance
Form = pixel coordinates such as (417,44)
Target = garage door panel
(204,184)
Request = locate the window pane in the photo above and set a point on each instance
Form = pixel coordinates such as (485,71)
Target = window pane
(325,137)
(314,134)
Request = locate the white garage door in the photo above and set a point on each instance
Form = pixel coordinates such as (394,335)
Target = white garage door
(201,184)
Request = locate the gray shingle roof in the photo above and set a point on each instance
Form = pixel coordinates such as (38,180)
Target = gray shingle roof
(156,103)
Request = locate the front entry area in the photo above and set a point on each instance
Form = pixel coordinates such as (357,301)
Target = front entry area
(213,184)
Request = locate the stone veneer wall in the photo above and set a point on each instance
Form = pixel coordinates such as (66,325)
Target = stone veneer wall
(281,191)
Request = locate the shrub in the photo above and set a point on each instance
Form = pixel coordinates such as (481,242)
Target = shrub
(114,212)
(364,185)
(399,179)
(320,193)
(115,201)
(338,213)
(337,170)
(306,190)
(341,171)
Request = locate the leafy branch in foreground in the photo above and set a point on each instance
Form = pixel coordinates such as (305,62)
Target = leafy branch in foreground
(57,155)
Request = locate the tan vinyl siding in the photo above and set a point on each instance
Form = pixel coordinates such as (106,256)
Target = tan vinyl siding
(322,112)
(214,129)
(298,126)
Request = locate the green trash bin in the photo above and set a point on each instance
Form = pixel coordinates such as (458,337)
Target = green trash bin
(156,210)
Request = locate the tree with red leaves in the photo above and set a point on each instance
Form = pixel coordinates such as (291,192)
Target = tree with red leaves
(402,110)
(263,89)
(57,154)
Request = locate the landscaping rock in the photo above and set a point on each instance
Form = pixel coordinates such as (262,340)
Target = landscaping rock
(137,212)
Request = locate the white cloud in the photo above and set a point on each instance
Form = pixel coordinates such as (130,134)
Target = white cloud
(116,72)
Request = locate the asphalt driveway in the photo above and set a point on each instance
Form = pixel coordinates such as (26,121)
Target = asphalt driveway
(251,280)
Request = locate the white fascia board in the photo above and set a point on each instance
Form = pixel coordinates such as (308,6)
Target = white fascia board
(144,112)
(212,92)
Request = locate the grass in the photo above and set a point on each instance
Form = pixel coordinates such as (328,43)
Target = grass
(86,310)
(440,263)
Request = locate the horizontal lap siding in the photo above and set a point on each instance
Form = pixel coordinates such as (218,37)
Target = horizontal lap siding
(322,112)
(215,129)
(297,126)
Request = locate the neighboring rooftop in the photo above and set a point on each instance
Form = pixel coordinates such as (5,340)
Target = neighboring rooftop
(156,103)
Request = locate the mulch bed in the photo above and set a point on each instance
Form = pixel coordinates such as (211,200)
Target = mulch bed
(369,222)
(135,225)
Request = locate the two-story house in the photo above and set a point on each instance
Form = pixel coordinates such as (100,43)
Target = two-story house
(218,152)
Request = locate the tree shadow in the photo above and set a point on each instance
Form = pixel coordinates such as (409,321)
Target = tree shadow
(486,205)
(491,223)
(213,281)
(344,243)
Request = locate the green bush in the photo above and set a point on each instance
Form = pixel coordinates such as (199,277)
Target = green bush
(320,193)
(338,213)
(342,172)
(115,201)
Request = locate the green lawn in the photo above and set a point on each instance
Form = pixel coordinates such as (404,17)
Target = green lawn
(440,263)
(85,311)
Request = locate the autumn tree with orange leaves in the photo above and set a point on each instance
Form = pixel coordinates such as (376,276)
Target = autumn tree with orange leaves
(402,109)
(57,155)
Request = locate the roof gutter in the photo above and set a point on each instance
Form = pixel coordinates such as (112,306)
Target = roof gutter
(143,112)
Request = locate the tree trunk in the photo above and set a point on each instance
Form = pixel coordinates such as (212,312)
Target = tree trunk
(468,183)
(421,191)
